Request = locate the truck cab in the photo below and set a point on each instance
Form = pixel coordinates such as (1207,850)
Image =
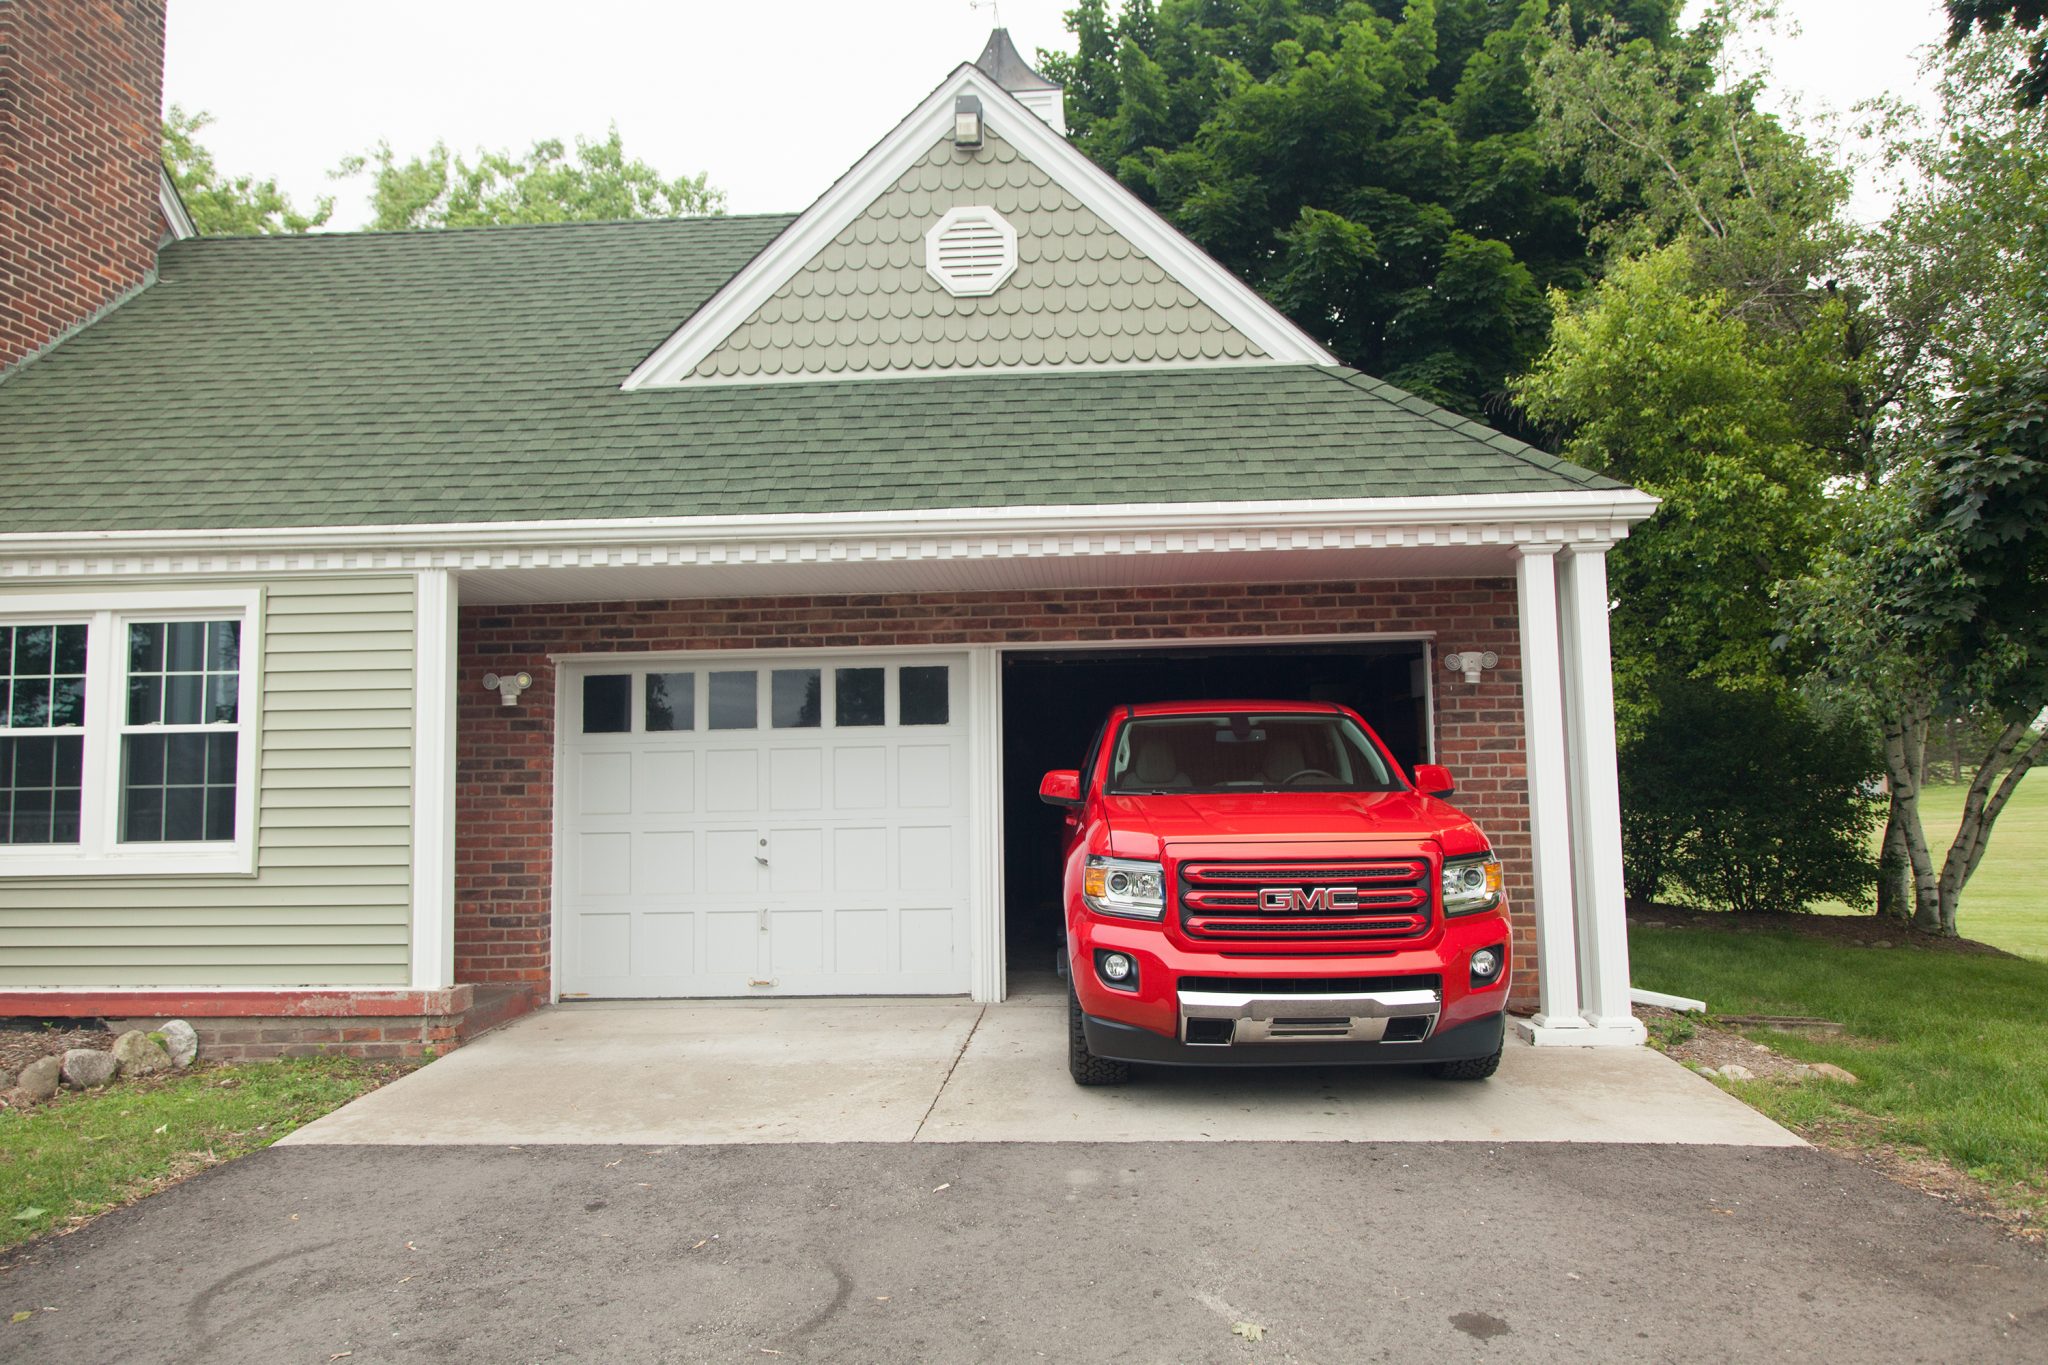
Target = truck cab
(1255,883)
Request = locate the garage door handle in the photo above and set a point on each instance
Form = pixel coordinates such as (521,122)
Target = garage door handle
(761,858)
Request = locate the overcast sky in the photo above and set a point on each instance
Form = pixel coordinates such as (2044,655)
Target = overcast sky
(774,99)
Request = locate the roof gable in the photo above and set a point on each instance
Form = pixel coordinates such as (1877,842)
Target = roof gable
(898,190)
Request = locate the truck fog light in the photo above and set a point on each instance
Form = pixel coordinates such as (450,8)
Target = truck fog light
(1485,966)
(1118,971)
(1116,966)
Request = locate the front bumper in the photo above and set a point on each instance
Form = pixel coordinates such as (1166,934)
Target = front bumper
(1129,1043)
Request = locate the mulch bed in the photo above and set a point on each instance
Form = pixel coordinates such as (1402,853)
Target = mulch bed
(25,1041)
(1855,931)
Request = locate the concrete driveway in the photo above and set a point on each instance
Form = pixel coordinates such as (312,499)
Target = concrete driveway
(743,1071)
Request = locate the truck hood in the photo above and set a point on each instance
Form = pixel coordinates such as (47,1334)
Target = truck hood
(1140,825)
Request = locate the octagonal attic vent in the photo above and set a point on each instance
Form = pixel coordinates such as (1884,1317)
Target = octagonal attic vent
(971,252)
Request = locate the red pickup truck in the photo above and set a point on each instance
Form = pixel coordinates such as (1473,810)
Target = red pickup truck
(1257,883)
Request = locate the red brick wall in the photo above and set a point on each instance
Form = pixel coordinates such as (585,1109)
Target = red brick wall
(505,755)
(81,97)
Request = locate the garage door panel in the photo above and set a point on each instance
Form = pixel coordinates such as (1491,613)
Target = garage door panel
(607,784)
(604,864)
(796,861)
(665,782)
(820,851)
(860,858)
(861,942)
(924,776)
(860,778)
(664,863)
(796,779)
(732,780)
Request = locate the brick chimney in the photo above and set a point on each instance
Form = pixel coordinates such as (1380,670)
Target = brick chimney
(81,104)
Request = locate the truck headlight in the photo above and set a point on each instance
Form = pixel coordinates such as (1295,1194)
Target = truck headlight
(1471,884)
(1124,886)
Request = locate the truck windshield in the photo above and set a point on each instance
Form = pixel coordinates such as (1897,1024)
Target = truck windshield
(1246,753)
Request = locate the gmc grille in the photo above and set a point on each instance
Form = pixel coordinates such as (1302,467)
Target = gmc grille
(1359,899)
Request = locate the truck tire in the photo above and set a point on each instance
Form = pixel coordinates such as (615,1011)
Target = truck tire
(1085,1067)
(1469,1068)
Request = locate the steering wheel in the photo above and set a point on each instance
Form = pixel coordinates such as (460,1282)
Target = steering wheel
(1309,773)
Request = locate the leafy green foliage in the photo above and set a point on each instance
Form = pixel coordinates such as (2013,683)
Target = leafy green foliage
(1749,800)
(222,205)
(548,184)
(1373,169)
(1663,386)
(2024,16)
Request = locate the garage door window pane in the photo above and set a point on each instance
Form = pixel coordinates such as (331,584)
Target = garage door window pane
(608,704)
(671,702)
(858,695)
(794,699)
(925,700)
(734,699)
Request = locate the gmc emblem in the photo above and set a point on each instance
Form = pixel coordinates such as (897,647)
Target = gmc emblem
(1287,899)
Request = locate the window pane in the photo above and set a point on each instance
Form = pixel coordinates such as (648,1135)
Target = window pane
(182,695)
(70,651)
(185,647)
(39,788)
(608,704)
(671,701)
(924,700)
(146,700)
(178,788)
(31,650)
(858,696)
(793,697)
(734,700)
(224,646)
(31,703)
(145,649)
(223,691)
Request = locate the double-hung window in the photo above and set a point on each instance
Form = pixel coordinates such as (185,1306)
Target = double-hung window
(128,745)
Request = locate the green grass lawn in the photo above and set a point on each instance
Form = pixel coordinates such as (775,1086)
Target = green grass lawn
(82,1154)
(2005,903)
(1951,1048)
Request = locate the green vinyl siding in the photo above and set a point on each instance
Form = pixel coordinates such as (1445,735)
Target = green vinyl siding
(331,901)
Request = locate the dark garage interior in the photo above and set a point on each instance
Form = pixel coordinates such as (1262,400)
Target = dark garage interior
(1054,700)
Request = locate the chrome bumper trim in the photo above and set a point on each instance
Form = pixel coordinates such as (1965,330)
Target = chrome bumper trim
(1345,1018)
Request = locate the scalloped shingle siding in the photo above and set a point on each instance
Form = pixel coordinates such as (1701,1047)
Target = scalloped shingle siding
(1082,294)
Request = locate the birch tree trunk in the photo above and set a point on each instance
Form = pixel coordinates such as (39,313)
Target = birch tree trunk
(1997,778)
(1905,757)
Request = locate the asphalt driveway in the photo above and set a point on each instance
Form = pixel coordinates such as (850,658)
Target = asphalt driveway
(998,1252)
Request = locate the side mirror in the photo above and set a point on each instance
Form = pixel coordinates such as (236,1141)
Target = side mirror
(1433,780)
(1061,788)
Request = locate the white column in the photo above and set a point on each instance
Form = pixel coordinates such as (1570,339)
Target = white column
(433,780)
(989,968)
(1595,799)
(1543,727)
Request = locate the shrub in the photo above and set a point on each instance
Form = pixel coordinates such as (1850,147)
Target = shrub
(1747,800)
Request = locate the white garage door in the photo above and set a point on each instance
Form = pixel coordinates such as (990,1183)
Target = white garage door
(766,826)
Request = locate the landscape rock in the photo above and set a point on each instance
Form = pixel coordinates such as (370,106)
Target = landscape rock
(87,1068)
(1736,1071)
(138,1054)
(1832,1072)
(1803,1073)
(6,1079)
(1706,1070)
(181,1040)
(40,1079)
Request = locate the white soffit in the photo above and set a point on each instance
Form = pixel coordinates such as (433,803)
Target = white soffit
(671,364)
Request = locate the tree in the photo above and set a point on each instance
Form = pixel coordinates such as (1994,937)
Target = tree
(222,205)
(1373,169)
(1992,16)
(546,185)
(1937,595)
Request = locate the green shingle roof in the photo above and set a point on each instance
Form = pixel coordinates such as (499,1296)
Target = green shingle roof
(473,376)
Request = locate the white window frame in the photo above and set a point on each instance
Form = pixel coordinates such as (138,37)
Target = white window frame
(107,615)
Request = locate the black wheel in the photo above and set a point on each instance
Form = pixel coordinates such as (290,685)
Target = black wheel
(1085,1067)
(1470,1068)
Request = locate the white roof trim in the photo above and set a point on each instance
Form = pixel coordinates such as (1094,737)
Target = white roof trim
(1592,518)
(175,214)
(1228,297)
